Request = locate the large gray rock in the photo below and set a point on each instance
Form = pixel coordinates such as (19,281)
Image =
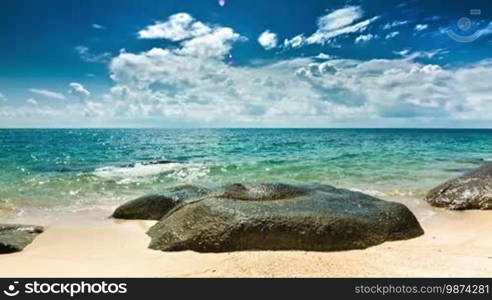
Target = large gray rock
(14,238)
(154,207)
(283,217)
(470,191)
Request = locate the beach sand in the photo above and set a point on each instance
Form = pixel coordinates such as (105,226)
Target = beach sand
(89,244)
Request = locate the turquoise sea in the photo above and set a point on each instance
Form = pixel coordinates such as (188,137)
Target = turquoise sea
(72,168)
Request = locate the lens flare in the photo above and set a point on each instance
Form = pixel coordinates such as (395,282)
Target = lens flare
(222,2)
(231,61)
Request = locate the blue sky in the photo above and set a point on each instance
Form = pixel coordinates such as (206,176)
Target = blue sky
(246,63)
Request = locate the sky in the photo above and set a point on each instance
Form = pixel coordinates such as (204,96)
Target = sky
(246,63)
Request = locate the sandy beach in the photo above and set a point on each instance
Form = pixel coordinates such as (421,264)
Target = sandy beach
(250,139)
(89,244)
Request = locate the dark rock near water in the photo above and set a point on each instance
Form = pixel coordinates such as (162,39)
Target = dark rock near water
(154,207)
(283,217)
(14,238)
(470,191)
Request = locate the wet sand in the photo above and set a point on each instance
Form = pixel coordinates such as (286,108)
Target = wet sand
(89,244)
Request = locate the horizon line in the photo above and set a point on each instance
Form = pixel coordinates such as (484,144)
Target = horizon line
(266,128)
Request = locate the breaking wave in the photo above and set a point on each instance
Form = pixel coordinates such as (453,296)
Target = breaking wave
(138,171)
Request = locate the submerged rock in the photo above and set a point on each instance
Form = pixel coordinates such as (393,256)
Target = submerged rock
(470,191)
(14,238)
(154,207)
(283,217)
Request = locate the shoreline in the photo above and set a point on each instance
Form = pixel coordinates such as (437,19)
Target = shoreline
(89,244)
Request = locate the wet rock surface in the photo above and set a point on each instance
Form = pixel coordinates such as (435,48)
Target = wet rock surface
(470,191)
(14,238)
(154,207)
(282,217)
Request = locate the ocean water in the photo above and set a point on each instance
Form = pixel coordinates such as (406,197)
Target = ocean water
(70,168)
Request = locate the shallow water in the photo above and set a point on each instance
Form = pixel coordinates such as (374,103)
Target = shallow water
(70,168)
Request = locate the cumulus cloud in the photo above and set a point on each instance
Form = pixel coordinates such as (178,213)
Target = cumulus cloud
(178,27)
(404,88)
(337,23)
(165,87)
(295,42)
(79,90)
(190,84)
(87,56)
(215,44)
(48,94)
(160,82)
(196,38)
(268,40)
(324,56)
(364,38)
(420,27)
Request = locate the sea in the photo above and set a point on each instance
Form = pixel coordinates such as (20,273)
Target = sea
(72,169)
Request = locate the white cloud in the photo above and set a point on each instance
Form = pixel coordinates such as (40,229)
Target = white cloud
(322,37)
(403,52)
(2,98)
(162,87)
(48,94)
(324,56)
(195,37)
(339,18)
(392,35)
(191,85)
(337,23)
(32,101)
(161,83)
(215,44)
(364,38)
(97,26)
(178,27)
(295,42)
(393,24)
(268,40)
(79,90)
(421,54)
(87,56)
(420,27)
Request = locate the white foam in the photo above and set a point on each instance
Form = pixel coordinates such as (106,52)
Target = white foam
(368,192)
(376,193)
(137,172)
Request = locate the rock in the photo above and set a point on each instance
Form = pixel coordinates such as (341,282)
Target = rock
(283,217)
(154,207)
(470,191)
(14,238)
